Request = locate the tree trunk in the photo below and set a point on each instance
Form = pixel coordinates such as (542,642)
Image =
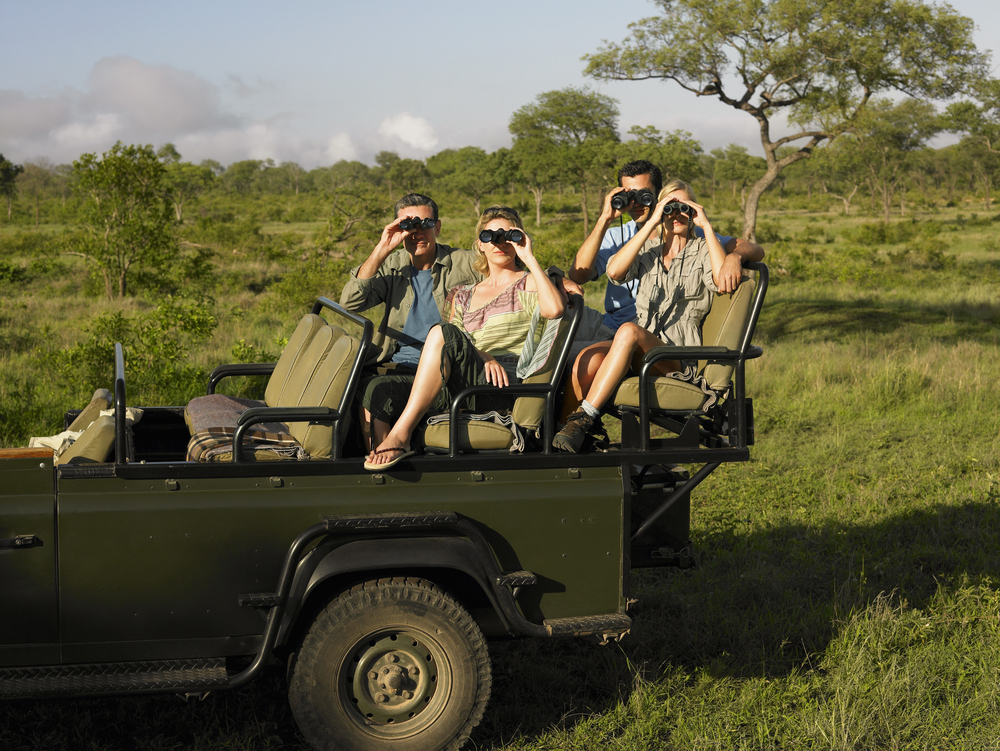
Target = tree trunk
(583,205)
(537,193)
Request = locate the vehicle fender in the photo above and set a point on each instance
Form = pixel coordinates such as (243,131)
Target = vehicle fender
(339,557)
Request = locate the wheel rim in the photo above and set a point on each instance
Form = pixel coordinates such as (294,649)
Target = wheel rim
(398,682)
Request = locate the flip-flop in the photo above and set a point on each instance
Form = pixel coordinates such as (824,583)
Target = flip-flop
(378,467)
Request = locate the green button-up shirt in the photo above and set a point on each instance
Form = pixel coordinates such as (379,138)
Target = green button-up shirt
(391,286)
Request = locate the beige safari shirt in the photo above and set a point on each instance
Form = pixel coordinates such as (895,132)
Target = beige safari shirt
(391,286)
(672,303)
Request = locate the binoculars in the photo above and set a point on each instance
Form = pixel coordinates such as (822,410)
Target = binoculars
(677,207)
(625,199)
(497,236)
(415,222)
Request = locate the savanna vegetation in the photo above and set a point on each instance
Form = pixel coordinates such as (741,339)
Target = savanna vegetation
(846,592)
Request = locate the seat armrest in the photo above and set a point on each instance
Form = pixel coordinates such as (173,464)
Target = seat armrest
(238,369)
(547,390)
(682,353)
(257,415)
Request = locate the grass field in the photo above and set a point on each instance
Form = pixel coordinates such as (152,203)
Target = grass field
(846,594)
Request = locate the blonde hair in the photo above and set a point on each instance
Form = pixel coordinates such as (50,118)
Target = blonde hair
(669,188)
(673,185)
(494,212)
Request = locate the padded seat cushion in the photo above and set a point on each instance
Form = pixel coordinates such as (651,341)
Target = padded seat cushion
(326,389)
(480,435)
(100,401)
(669,394)
(293,352)
(94,445)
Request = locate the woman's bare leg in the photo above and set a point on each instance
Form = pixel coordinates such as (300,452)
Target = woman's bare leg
(630,344)
(582,374)
(432,373)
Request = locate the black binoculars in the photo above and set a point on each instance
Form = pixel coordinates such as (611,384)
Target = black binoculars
(498,236)
(415,222)
(625,199)
(677,207)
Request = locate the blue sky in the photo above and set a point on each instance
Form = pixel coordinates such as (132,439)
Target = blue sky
(314,82)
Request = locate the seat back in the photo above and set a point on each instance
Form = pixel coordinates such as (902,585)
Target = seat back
(93,445)
(328,387)
(529,411)
(290,356)
(307,363)
(99,402)
(724,326)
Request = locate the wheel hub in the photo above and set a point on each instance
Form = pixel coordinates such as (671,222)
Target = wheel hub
(394,680)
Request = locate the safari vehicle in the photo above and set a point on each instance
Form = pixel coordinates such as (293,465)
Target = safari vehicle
(130,566)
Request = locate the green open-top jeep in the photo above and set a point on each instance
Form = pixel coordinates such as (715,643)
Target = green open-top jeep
(176,555)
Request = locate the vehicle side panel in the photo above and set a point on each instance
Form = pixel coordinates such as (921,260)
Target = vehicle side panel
(141,561)
(29,628)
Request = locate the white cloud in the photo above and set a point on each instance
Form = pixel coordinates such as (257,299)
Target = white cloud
(89,136)
(134,102)
(23,117)
(413,131)
(340,147)
(155,99)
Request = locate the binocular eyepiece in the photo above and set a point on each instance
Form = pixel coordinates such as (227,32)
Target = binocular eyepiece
(498,236)
(626,198)
(679,208)
(415,222)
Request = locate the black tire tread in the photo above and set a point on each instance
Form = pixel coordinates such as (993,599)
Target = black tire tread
(359,598)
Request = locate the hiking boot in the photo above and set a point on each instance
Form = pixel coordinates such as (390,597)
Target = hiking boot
(571,437)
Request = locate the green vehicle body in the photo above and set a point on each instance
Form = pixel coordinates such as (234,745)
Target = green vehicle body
(198,575)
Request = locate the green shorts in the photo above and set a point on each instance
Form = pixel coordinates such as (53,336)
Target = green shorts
(385,396)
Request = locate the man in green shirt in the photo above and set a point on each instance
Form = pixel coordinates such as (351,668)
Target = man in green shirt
(395,277)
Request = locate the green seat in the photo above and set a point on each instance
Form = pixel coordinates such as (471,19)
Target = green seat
(100,401)
(726,334)
(93,445)
(529,411)
(724,326)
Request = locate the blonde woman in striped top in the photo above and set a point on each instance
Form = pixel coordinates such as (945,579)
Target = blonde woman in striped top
(480,345)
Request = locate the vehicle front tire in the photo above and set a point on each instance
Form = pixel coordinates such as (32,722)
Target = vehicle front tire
(391,664)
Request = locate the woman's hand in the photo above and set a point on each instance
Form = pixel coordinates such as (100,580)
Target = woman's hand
(495,374)
(523,249)
(700,218)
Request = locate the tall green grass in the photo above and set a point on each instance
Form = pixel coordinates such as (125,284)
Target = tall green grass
(846,594)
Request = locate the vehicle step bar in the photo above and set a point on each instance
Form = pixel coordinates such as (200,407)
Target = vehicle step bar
(515,579)
(615,626)
(110,678)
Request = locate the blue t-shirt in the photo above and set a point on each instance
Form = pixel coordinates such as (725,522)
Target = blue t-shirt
(424,313)
(619,299)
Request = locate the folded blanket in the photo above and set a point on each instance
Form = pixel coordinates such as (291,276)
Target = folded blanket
(213,444)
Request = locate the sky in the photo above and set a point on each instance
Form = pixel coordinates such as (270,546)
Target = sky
(317,81)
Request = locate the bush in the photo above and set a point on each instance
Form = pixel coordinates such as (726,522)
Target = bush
(156,345)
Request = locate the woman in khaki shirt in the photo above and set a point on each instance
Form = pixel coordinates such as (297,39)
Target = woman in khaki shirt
(676,281)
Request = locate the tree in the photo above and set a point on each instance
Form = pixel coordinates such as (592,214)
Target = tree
(979,120)
(127,214)
(8,181)
(819,63)
(468,171)
(735,166)
(36,179)
(184,181)
(884,143)
(677,154)
(569,129)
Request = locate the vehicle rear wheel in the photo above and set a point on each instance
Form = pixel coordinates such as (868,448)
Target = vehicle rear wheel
(391,664)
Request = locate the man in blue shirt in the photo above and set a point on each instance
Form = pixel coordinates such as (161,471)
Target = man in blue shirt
(604,241)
